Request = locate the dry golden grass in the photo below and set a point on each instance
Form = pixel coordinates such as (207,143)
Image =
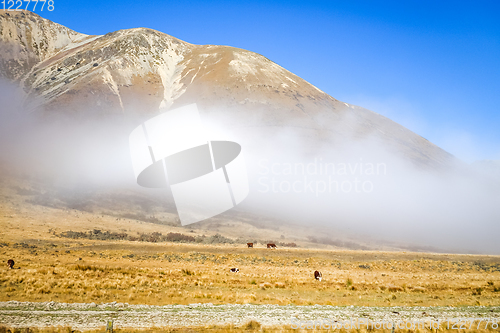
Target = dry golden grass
(156,274)
(168,273)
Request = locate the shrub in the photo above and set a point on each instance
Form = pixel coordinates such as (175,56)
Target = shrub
(177,237)
(154,237)
(94,234)
(241,240)
(288,244)
(336,242)
(73,234)
(217,239)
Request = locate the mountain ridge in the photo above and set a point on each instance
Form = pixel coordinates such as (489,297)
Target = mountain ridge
(144,71)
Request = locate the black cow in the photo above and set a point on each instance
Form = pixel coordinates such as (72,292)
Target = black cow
(234,270)
(317,275)
(10,263)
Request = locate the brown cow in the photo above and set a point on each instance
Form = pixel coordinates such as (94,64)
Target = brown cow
(318,275)
(271,246)
(250,244)
(10,263)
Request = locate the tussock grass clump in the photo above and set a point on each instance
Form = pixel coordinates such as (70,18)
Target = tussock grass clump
(265,285)
(85,268)
(252,325)
(393,288)
(477,291)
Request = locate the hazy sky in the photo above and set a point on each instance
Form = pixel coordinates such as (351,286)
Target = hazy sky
(433,66)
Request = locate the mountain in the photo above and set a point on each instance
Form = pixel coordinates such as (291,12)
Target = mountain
(329,170)
(142,71)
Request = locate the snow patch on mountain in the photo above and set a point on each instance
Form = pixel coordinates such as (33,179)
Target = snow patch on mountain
(244,63)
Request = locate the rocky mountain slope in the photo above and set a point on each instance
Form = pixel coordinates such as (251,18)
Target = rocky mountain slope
(142,71)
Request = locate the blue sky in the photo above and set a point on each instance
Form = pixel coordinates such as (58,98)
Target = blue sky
(432,66)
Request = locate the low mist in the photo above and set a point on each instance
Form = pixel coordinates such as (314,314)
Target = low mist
(354,186)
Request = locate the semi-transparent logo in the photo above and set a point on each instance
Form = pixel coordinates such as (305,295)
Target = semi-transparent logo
(206,177)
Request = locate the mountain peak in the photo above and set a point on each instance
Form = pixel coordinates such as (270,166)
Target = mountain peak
(142,71)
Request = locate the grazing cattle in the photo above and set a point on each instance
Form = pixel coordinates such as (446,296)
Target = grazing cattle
(271,246)
(250,244)
(234,270)
(317,275)
(10,263)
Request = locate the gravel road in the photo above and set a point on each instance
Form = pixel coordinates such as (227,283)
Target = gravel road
(83,316)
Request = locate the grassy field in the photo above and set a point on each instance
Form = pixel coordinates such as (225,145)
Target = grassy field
(167,273)
(50,267)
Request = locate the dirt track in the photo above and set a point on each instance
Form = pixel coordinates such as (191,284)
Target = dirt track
(83,316)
